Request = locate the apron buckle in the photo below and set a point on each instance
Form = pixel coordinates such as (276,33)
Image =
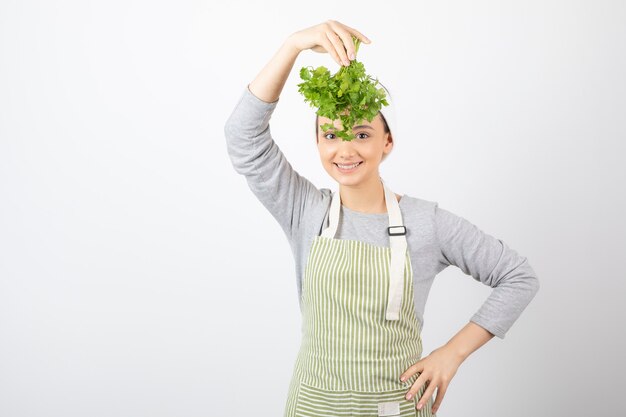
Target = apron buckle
(403,232)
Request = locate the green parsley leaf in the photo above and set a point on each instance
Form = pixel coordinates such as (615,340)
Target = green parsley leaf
(350,95)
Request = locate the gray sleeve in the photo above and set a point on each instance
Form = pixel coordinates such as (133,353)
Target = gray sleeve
(254,154)
(490,261)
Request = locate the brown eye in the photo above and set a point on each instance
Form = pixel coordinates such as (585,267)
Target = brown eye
(328,134)
(363,133)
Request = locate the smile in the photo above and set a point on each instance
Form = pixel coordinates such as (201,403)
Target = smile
(348,168)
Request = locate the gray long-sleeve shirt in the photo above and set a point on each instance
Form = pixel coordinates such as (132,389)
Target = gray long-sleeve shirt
(436,238)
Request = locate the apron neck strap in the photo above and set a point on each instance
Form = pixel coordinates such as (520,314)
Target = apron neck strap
(397,240)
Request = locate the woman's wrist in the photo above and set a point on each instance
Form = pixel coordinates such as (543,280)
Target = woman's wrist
(291,44)
(468,339)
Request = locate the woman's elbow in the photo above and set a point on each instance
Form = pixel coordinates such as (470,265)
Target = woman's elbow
(536,285)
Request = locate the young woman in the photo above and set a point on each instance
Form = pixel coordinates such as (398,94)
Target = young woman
(366,257)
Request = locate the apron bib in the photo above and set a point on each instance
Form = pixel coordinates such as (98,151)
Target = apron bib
(359,328)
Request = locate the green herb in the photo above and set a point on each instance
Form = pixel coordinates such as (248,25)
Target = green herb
(349,95)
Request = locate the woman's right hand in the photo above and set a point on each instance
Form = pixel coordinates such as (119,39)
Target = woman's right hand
(332,37)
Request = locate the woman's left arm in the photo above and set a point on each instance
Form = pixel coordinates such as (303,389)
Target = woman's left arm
(490,261)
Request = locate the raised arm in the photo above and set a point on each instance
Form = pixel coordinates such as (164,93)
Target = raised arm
(251,148)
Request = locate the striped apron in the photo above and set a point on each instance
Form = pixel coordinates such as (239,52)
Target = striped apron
(359,328)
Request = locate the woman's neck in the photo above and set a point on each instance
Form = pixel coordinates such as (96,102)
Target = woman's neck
(366,197)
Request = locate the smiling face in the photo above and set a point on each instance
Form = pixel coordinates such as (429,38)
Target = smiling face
(370,144)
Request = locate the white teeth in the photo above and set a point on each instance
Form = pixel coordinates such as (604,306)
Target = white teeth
(348,166)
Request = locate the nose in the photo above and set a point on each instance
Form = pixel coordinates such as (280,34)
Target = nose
(346,149)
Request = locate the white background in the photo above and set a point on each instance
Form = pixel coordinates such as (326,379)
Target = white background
(139,276)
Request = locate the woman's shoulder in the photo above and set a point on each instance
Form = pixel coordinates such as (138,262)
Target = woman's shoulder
(417,203)
(418,215)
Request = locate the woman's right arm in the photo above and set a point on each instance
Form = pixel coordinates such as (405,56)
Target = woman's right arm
(269,83)
(251,148)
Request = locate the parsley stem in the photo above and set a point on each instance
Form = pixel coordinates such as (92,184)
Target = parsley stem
(357,43)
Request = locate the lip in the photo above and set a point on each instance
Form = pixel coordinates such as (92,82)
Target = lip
(348,170)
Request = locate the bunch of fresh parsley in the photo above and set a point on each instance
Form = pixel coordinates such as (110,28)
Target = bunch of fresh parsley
(349,95)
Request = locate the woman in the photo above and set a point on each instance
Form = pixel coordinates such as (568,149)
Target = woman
(366,257)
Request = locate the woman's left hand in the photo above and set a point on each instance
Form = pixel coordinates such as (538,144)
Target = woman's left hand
(436,370)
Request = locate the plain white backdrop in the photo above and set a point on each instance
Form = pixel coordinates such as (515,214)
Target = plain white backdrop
(139,276)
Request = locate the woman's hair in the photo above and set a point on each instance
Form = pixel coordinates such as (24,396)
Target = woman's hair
(385,125)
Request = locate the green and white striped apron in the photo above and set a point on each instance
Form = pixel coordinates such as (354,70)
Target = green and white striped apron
(359,328)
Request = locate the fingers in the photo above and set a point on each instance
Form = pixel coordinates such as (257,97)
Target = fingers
(426,395)
(330,48)
(416,367)
(434,372)
(340,36)
(428,392)
(417,385)
(358,34)
(339,48)
(347,40)
(441,392)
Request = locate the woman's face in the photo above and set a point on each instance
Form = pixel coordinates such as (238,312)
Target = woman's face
(369,144)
